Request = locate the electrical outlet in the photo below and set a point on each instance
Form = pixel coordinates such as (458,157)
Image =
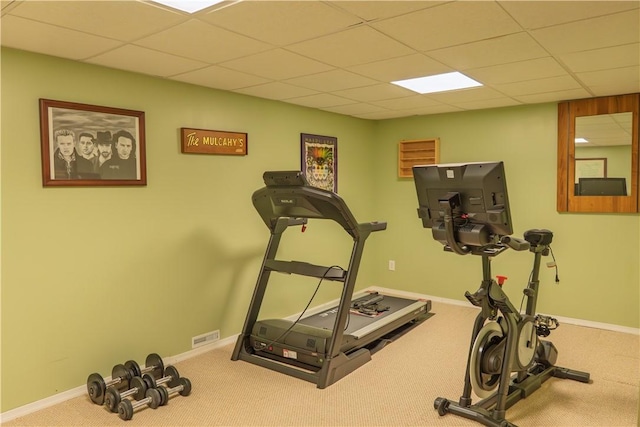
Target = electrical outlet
(392,265)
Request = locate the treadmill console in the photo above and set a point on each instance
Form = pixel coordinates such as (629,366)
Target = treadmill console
(284,178)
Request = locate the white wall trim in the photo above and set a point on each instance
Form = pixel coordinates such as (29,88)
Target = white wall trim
(567,320)
(81,390)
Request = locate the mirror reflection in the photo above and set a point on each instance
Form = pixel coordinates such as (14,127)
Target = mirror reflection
(603,154)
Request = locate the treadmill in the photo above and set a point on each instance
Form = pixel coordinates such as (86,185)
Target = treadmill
(324,347)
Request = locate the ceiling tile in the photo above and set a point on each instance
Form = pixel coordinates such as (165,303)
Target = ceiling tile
(141,60)
(466,95)
(48,39)
(331,81)
(220,78)
(435,109)
(276,90)
(119,20)
(553,96)
(601,59)
(495,51)
(517,71)
(355,46)
(277,64)
(352,109)
(484,104)
(381,9)
(270,22)
(537,14)
(320,100)
(528,87)
(612,82)
(416,101)
(203,42)
(581,35)
(375,93)
(449,24)
(404,67)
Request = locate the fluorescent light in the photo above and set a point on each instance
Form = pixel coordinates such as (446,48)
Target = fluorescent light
(580,141)
(189,6)
(438,83)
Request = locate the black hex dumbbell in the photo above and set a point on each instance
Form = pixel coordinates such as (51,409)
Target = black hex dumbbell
(113,397)
(126,407)
(97,386)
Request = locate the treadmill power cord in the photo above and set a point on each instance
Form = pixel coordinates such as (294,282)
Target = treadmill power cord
(305,309)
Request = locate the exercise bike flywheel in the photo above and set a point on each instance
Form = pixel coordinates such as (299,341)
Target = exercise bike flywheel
(484,367)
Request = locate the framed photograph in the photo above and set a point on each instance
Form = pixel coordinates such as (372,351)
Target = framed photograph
(90,145)
(319,160)
(595,167)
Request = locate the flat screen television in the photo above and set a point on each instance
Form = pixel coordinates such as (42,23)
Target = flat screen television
(474,195)
(602,187)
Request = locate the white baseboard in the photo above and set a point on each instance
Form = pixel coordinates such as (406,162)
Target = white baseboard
(80,390)
(567,320)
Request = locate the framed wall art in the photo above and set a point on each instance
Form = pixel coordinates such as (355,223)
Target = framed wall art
(591,168)
(90,145)
(319,160)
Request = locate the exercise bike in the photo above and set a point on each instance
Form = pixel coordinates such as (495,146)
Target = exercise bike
(505,341)
(467,209)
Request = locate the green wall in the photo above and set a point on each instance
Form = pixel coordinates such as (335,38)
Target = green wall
(92,277)
(597,254)
(95,276)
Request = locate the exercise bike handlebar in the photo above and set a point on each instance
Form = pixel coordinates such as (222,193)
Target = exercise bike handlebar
(515,243)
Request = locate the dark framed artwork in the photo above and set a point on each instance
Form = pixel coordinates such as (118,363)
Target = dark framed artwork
(90,145)
(319,160)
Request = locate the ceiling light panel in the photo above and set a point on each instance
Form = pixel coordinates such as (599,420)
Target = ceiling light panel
(189,6)
(438,83)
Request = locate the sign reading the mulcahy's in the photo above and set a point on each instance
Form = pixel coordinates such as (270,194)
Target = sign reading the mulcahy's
(202,141)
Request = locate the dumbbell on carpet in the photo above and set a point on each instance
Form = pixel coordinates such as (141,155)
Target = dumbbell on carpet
(126,407)
(171,377)
(153,365)
(96,385)
(113,397)
(183,387)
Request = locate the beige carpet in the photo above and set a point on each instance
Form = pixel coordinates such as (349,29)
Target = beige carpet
(397,388)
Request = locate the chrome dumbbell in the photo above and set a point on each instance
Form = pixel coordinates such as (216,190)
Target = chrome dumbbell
(183,387)
(126,407)
(113,396)
(97,386)
(153,365)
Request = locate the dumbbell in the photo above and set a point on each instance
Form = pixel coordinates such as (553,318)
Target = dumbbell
(113,396)
(171,377)
(96,385)
(126,407)
(183,387)
(153,364)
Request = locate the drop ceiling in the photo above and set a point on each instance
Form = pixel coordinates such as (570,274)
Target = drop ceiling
(340,56)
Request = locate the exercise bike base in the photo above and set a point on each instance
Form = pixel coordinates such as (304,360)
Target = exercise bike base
(484,413)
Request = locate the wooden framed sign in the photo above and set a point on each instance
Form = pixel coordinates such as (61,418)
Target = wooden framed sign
(202,141)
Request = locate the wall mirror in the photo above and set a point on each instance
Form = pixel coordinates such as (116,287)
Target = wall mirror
(598,154)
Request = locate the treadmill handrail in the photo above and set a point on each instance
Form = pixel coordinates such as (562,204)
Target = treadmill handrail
(306,269)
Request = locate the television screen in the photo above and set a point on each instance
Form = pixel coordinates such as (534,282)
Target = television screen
(602,187)
(474,193)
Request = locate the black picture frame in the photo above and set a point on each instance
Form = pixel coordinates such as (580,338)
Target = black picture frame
(319,160)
